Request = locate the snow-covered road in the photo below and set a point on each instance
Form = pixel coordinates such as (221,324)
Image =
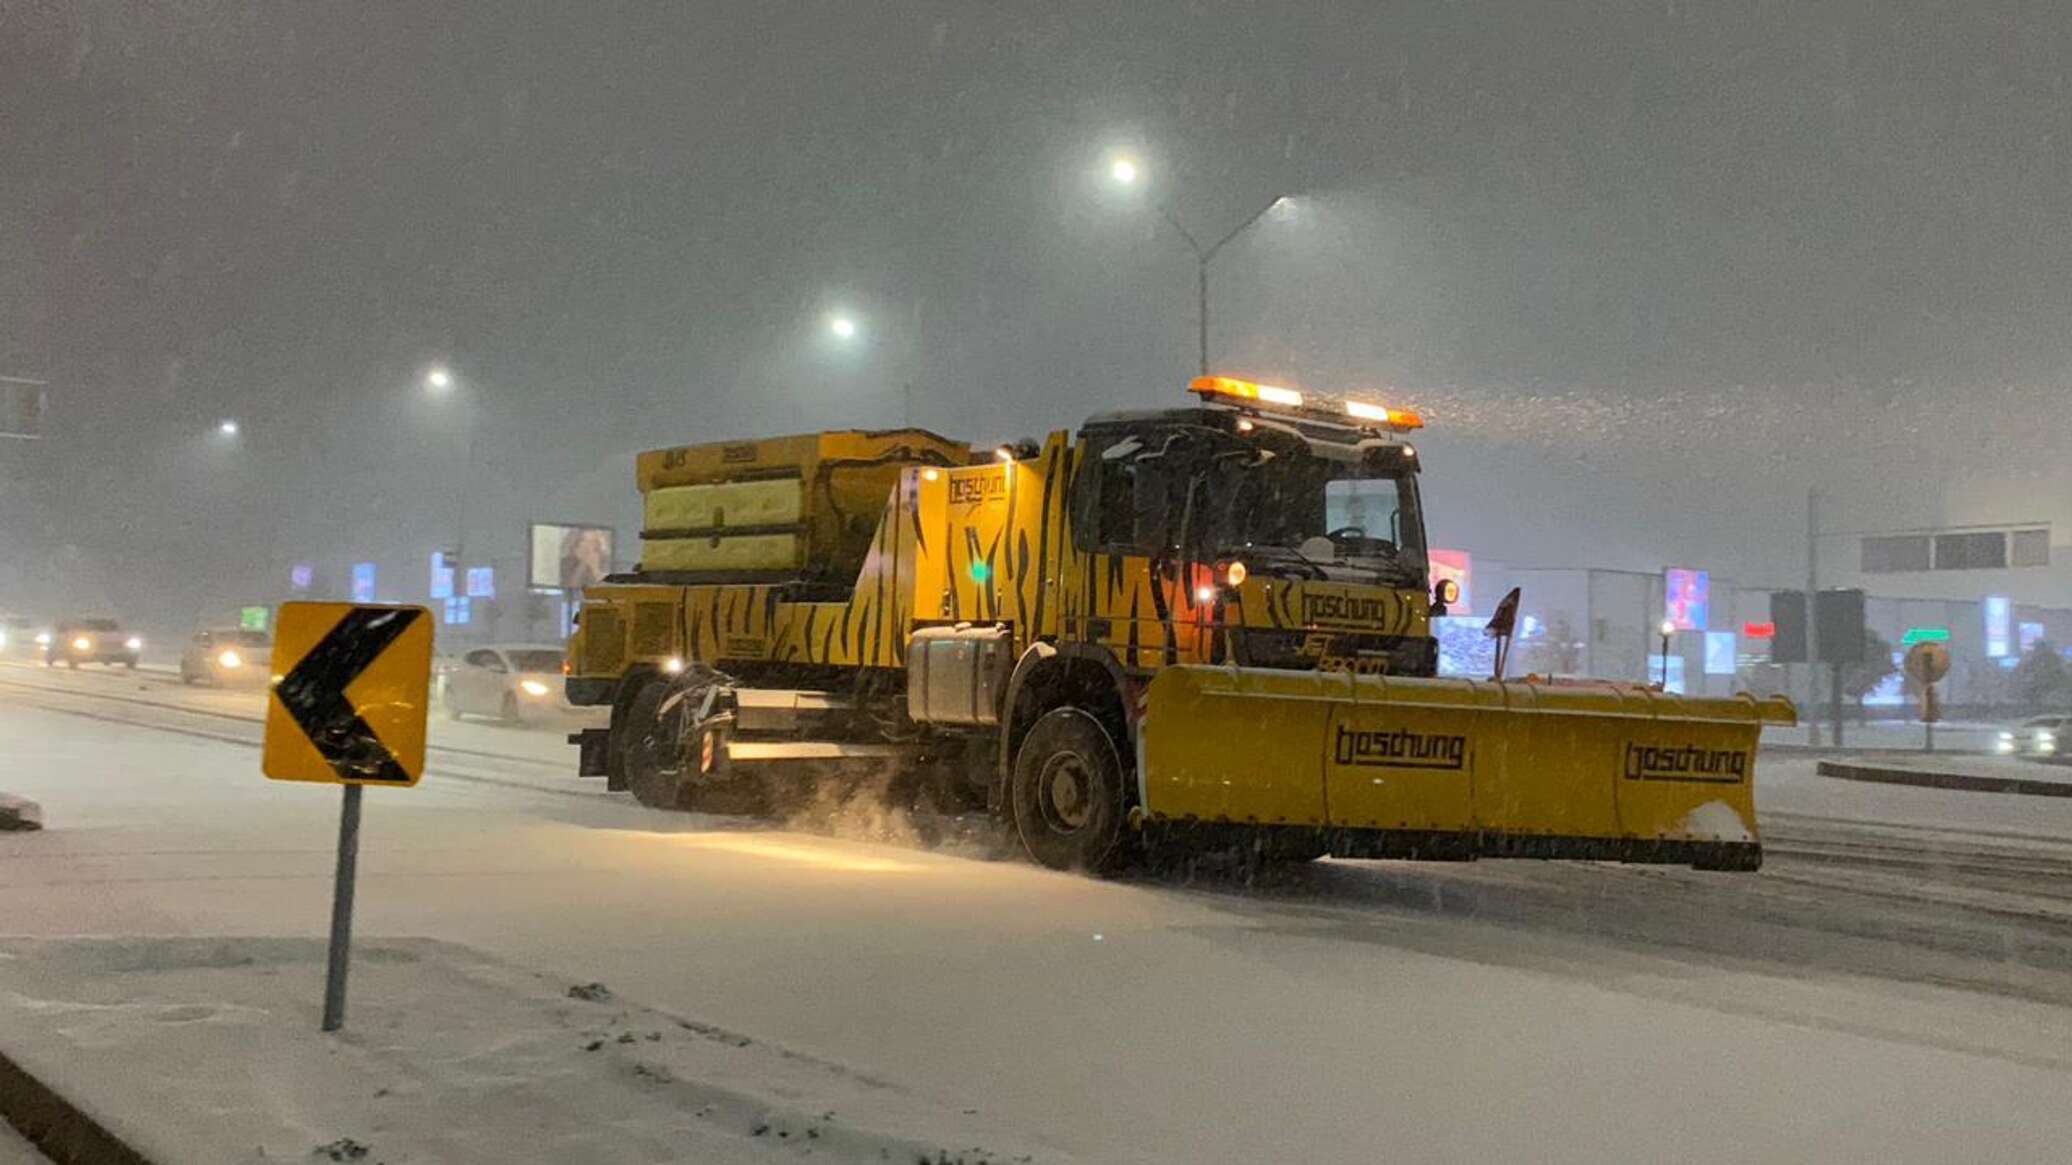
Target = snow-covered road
(1893,986)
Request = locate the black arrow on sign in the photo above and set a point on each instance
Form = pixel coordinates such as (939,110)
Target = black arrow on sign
(314,693)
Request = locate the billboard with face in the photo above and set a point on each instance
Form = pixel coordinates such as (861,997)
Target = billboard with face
(569,558)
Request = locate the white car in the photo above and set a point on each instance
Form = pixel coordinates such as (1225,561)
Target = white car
(512,682)
(227,657)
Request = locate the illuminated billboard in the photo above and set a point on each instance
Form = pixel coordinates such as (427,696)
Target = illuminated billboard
(1999,611)
(1689,598)
(569,557)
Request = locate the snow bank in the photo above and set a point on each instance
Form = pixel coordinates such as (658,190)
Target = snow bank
(208,1050)
(18,813)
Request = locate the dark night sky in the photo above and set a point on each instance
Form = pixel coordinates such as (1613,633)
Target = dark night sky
(1652,268)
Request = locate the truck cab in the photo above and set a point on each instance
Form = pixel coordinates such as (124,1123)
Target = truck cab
(1299,536)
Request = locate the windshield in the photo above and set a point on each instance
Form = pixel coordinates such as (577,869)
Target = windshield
(99,625)
(535,659)
(1321,510)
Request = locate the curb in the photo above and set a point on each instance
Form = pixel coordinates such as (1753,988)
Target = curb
(59,1129)
(1929,779)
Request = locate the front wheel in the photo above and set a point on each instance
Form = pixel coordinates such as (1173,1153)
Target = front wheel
(653,760)
(1068,792)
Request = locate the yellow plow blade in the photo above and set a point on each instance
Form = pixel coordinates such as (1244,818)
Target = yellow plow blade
(1374,766)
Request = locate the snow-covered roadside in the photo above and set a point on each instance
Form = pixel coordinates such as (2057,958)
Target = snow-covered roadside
(197,1050)
(16,1151)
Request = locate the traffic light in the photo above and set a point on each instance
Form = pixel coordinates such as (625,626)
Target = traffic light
(1788,614)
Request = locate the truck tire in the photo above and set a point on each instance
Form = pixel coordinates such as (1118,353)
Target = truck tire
(652,754)
(1067,790)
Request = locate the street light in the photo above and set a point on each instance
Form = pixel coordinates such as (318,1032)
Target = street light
(439,381)
(1125,171)
(227,427)
(1667,629)
(843,327)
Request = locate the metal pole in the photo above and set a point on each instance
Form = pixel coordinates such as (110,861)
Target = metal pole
(1202,309)
(1835,699)
(1812,637)
(342,909)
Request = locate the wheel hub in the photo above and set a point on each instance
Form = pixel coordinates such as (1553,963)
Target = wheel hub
(1067,788)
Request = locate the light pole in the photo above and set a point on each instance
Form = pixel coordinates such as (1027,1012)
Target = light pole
(1667,629)
(439,382)
(1125,172)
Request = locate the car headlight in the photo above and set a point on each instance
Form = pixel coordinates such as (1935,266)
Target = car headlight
(43,639)
(230,658)
(82,644)
(133,643)
(2047,741)
(3,640)
(533,687)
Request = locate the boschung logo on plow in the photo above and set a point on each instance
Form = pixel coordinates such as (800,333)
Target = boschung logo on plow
(1400,749)
(1720,766)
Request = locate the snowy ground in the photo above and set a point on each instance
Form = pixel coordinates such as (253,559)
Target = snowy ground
(16,1151)
(518,1067)
(1893,986)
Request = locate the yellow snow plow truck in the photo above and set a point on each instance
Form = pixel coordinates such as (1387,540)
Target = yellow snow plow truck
(1207,626)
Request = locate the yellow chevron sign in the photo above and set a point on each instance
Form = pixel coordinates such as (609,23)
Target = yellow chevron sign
(351,687)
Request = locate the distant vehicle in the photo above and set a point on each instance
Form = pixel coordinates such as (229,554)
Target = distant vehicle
(2037,738)
(513,682)
(227,656)
(103,641)
(17,634)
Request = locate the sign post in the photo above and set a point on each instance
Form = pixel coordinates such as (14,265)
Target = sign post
(1928,661)
(348,708)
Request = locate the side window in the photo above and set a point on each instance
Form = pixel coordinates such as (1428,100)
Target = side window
(483,659)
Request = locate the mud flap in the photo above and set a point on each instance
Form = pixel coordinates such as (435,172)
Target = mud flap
(593,756)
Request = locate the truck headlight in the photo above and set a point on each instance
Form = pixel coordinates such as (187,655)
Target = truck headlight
(82,644)
(133,643)
(43,639)
(533,688)
(2005,743)
(230,658)
(2046,741)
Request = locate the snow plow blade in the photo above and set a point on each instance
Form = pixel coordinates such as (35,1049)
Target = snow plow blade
(1382,767)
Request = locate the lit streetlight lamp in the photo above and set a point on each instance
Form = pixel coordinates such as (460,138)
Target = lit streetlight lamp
(842,327)
(1668,628)
(228,427)
(1125,171)
(439,381)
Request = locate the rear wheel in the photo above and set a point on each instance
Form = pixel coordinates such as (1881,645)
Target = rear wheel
(1068,792)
